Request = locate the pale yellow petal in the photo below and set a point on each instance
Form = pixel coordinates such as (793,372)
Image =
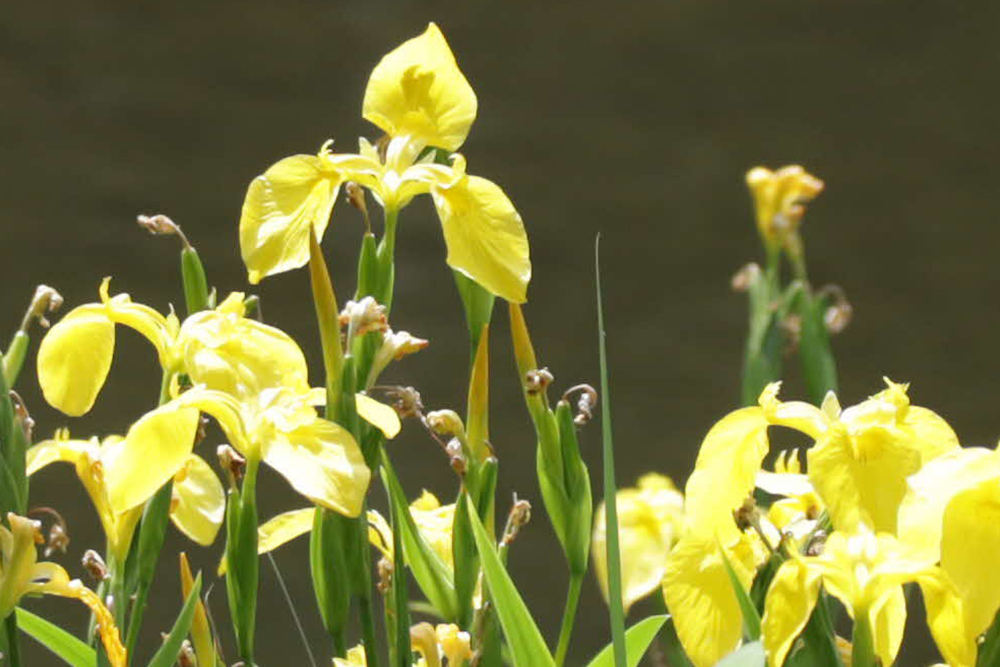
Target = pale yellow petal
(284,528)
(946,618)
(149,323)
(485,236)
(790,600)
(418,90)
(199,501)
(378,414)
(700,597)
(292,197)
(74,359)
(322,462)
(155,448)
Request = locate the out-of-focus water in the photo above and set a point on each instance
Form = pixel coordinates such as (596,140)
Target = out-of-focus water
(636,120)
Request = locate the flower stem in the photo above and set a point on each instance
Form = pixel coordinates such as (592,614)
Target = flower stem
(863,643)
(569,615)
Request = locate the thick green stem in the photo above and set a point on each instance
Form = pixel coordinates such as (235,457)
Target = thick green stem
(863,643)
(569,615)
(13,647)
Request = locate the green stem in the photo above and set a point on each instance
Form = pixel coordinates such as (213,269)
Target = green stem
(13,647)
(386,254)
(368,629)
(569,615)
(862,642)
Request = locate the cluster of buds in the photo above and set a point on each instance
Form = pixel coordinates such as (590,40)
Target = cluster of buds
(364,316)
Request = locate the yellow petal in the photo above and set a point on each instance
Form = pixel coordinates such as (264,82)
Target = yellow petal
(888,620)
(485,236)
(322,462)
(725,472)
(378,414)
(155,448)
(59,448)
(74,359)
(418,90)
(945,616)
(700,596)
(435,522)
(293,196)
(790,600)
(152,325)
(380,534)
(862,479)
(199,501)
(240,356)
(284,528)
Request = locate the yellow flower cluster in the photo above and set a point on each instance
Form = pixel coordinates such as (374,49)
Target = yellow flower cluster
(905,502)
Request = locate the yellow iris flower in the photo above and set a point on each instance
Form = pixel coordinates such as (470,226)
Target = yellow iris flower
(21,575)
(650,519)
(434,644)
(866,572)
(355,658)
(420,98)
(197,508)
(952,514)
(779,198)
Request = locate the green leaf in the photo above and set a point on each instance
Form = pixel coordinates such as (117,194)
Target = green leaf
(526,644)
(748,655)
(431,574)
(66,646)
(478,305)
(637,640)
(751,619)
(819,368)
(171,648)
(614,563)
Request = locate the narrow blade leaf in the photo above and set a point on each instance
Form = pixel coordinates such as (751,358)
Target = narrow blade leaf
(71,650)
(168,653)
(637,641)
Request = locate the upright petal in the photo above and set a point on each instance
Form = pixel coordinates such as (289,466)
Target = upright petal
(418,90)
(293,196)
(725,472)
(199,501)
(74,359)
(485,236)
(155,449)
(322,462)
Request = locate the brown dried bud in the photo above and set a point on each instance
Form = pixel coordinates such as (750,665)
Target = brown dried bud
(519,516)
(364,316)
(186,657)
(537,381)
(58,539)
(232,462)
(45,300)
(385,570)
(585,404)
(406,401)
(817,543)
(456,456)
(744,279)
(161,225)
(94,565)
(746,515)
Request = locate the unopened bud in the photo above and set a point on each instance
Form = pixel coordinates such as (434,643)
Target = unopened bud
(746,515)
(519,516)
(446,422)
(395,346)
(45,300)
(744,279)
(94,565)
(161,225)
(456,456)
(58,539)
(792,326)
(838,315)
(186,657)
(356,198)
(406,401)
(385,570)
(364,316)
(232,462)
(21,412)
(585,404)
(536,381)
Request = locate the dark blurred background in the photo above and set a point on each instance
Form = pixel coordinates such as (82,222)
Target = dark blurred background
(636,120)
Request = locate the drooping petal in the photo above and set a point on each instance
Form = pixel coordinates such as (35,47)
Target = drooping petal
(418,90)
(74,359)
(155,448)
(284,528)
(700,597)
(293,196)
(888,620)
(322,462)
(378,414)
(199,501)
(946,618)
(725,472)
(149,323)
(60,448)
(789,603)
(485,236)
